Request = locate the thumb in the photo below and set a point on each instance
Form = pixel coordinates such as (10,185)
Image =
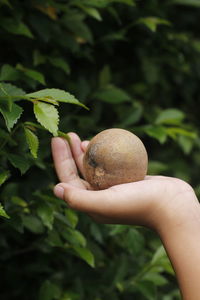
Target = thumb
(84,145)
(83,200)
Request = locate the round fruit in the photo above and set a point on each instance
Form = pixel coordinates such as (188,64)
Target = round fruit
(114,156)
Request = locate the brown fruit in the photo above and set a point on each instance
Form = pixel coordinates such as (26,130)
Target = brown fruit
(114,156)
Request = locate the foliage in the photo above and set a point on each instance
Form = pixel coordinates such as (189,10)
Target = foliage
(135,65)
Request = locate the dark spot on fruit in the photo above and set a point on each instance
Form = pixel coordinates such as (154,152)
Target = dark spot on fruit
(91,157)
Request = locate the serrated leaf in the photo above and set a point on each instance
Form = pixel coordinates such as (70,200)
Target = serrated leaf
(57,95)
(19,162)
(85,254)
(4,176)
(3,213)
(7,89)
(11,117)
(32,141)
(47,116)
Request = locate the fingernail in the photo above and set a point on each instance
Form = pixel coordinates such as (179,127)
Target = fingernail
(59,191)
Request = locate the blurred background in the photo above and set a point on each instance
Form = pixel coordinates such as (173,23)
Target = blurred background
(136,65)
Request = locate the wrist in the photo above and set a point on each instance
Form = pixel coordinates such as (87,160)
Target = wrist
(177,207)
(182,214)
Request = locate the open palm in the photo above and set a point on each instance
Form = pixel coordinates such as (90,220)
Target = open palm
(141,202)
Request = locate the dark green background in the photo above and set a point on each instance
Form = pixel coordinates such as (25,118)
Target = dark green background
(136,65)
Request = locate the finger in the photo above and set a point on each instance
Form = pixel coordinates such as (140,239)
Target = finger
(124,204)
(91,202)
(84,145)
(63,160)
(77,151)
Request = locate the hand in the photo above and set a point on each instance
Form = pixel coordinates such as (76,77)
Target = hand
(151,202)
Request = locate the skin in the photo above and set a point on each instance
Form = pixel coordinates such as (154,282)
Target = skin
(165,204)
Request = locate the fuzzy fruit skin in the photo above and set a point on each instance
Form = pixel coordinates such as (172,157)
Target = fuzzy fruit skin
(114,156)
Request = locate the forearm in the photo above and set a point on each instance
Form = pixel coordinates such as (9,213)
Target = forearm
(181,238)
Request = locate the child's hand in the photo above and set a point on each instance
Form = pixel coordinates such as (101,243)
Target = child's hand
(151,202)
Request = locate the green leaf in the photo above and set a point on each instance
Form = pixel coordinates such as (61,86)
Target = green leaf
(53,239)
(32,141)
(5,2)
(105,3)
(49,291)
(11,117)
(112,94)
(81,31)
(93,12)
(174,131)
(60,63)
(47,116)
(19,162)
(96,232)
(156,167)
(117,229)
(186,143)
(46,214)
(158,132)
(19,28)
(4,175)
(85,254)
(37,76)
(161,259)
(73,236)
(18,201)
(195,3)
(156,278)
(55,94)
(3,213)
(9,73)
(33,74)
(148,289)
(170,116)
(153,22)
(7,89)
(105,76)
(33,224)
(134,241)
(72,217)
(134,115)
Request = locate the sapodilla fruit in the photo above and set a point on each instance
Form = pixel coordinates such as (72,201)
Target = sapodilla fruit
(114,156)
